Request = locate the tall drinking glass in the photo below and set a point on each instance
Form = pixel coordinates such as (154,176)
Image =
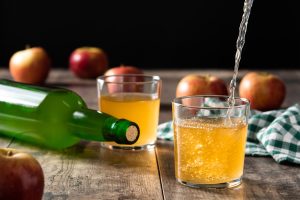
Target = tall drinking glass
(133,97)
(209,140)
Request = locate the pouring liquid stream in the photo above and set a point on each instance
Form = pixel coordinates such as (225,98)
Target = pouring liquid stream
(239,47)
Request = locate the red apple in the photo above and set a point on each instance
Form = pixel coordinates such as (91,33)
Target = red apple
(122,69)
(31,65)
(88,62)
(201,85)
(265,91)
(21,176)
(131,74)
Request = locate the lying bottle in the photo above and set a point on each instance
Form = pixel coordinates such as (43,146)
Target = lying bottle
(57,118)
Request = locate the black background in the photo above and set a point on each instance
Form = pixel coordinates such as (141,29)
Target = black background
(148,34)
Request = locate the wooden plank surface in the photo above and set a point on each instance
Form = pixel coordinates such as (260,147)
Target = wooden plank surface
(87,171)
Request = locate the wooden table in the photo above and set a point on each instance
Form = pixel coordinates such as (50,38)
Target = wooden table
(87,171)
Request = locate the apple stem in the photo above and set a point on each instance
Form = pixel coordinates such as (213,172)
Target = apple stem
(9,153)
(27,46)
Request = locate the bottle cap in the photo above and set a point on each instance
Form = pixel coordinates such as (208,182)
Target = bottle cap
(128,132)
(132,133)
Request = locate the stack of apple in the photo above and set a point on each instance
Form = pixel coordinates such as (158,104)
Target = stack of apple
(32,65)
(265,91)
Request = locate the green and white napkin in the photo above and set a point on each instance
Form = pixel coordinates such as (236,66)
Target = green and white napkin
(273,133)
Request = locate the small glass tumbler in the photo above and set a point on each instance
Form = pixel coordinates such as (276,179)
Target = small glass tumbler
(133,97)
(209,140)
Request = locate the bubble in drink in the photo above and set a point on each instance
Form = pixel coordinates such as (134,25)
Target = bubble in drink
(209,150)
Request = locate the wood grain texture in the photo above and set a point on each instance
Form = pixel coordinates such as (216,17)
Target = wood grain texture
(87,171)
(263,179)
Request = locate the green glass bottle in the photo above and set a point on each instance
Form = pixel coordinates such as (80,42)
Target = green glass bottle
(57,118)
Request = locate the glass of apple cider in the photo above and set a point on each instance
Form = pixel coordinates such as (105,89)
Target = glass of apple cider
(209,140)
(134,97)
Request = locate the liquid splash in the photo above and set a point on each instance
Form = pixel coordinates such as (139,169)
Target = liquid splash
(239,47)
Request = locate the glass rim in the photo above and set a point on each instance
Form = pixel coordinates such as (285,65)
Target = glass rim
(246,101)
(154,78)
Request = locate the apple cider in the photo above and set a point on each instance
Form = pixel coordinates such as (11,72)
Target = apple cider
(142,109)
(209,150)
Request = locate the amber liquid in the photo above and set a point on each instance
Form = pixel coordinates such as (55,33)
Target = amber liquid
(209,151)
(142,109)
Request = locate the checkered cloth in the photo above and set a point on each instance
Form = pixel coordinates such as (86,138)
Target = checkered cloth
(273,133)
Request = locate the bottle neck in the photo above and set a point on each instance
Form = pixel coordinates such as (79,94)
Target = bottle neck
(93,125)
